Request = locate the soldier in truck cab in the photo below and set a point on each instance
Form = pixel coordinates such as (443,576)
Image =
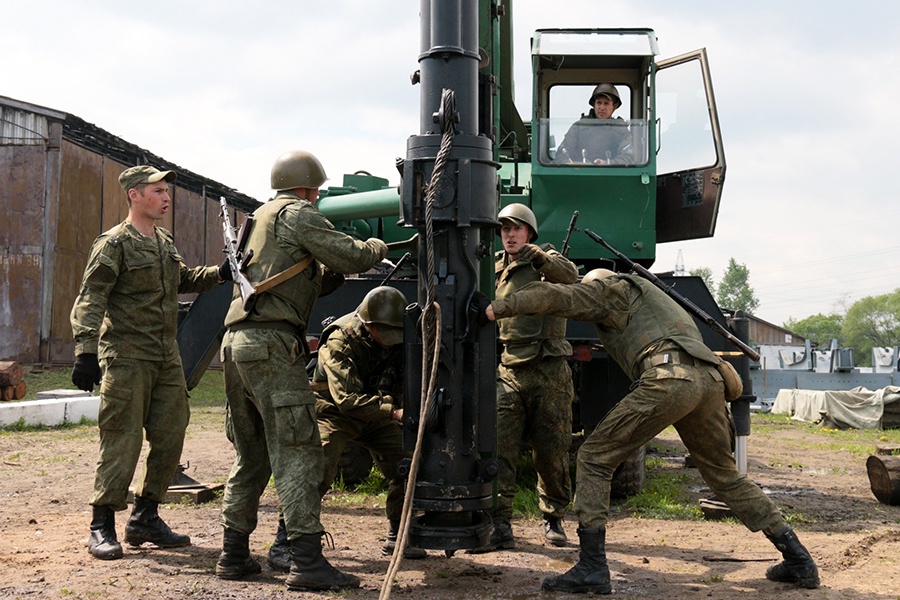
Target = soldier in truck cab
(598,138)
(676,382)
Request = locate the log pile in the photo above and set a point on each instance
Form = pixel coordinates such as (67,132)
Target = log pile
(884,475)
(12,386)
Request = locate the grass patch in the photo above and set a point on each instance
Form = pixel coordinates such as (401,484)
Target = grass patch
(20,426)
(858,442)
(373,488)
(209,391)
(51,378)
(664,495)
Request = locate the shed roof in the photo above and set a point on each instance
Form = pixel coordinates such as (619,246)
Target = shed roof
(80,132)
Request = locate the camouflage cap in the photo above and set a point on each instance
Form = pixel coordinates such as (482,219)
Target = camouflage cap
(133,177)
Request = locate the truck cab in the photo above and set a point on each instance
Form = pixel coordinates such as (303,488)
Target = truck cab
(669,185)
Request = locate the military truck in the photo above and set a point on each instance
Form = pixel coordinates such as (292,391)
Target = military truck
(474,154)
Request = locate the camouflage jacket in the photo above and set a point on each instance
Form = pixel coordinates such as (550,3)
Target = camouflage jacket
(634,318)
(128,304)
(363,379)
(286,230)
(527,338)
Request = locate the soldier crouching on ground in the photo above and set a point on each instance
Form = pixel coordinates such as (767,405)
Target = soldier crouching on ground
(358,386)
(271,419)
(677,382)
(127,315)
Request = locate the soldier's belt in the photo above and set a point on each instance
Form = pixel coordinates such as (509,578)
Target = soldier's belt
(279,325)
(673,357)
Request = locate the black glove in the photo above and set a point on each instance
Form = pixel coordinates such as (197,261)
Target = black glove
(477,306)
(225,271)
(533,254)
(86,372)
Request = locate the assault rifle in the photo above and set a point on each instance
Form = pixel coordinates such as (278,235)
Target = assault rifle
(234,248)
(684,302)
(564,250)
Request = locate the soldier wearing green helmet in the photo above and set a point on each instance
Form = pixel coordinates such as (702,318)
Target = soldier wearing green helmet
(358,398)
(534,381)
(676,382)
(598,138)
(271,409)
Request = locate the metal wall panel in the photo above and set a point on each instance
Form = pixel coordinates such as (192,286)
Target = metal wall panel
(80,194)
(115,205)
(21,243)
(189,229)
(21,127)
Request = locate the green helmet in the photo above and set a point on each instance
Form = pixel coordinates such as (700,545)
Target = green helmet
(297,169)
(520,214)
(596,275)
(608,90)
(383,305)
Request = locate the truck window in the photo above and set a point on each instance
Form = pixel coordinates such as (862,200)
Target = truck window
(618,141)
(685,131)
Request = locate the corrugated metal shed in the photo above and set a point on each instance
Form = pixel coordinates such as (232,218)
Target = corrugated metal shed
(59,190)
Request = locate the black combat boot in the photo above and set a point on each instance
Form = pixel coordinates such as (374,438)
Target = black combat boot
(145,525)
(280,552)
(554,532)
(590,573)
(391,541)
(310,570)
(235,561)
(103,543)
(798,566)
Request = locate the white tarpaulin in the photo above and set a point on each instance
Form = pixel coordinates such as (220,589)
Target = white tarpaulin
(858,408)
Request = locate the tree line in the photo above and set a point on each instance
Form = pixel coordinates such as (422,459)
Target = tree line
(873,321)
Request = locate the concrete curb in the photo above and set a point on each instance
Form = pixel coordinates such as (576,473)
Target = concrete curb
(54,407)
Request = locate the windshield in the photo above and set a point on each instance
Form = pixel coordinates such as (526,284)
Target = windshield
(576,133)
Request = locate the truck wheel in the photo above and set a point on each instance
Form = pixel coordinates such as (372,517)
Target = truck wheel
(628,479)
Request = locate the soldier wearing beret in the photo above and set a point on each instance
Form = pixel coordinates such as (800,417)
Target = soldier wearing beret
(124,323)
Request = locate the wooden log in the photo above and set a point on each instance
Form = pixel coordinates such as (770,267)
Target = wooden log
(884,477)
(887,449)
(10,372)
(6,392)
(19,390)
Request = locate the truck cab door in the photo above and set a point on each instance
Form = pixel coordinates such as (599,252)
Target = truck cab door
(690,155)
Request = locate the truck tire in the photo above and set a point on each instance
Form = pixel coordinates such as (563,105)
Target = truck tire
(628,479)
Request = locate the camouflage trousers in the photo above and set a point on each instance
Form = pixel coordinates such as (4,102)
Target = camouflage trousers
(534,407)
(383,439)
(692,399)
(271,422)
(138,397)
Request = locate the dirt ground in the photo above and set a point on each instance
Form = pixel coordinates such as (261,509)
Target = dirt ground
(46,478)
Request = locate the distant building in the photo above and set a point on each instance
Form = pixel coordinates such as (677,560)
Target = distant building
(763,332)
(58,191)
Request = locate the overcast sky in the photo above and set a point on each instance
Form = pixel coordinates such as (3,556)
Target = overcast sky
(806,90)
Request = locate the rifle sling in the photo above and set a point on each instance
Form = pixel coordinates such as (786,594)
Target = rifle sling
(274,280)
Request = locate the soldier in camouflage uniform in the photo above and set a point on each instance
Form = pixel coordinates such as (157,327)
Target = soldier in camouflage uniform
(677,382)
(127,315)
(358,387)
(534,382)
(271,416)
